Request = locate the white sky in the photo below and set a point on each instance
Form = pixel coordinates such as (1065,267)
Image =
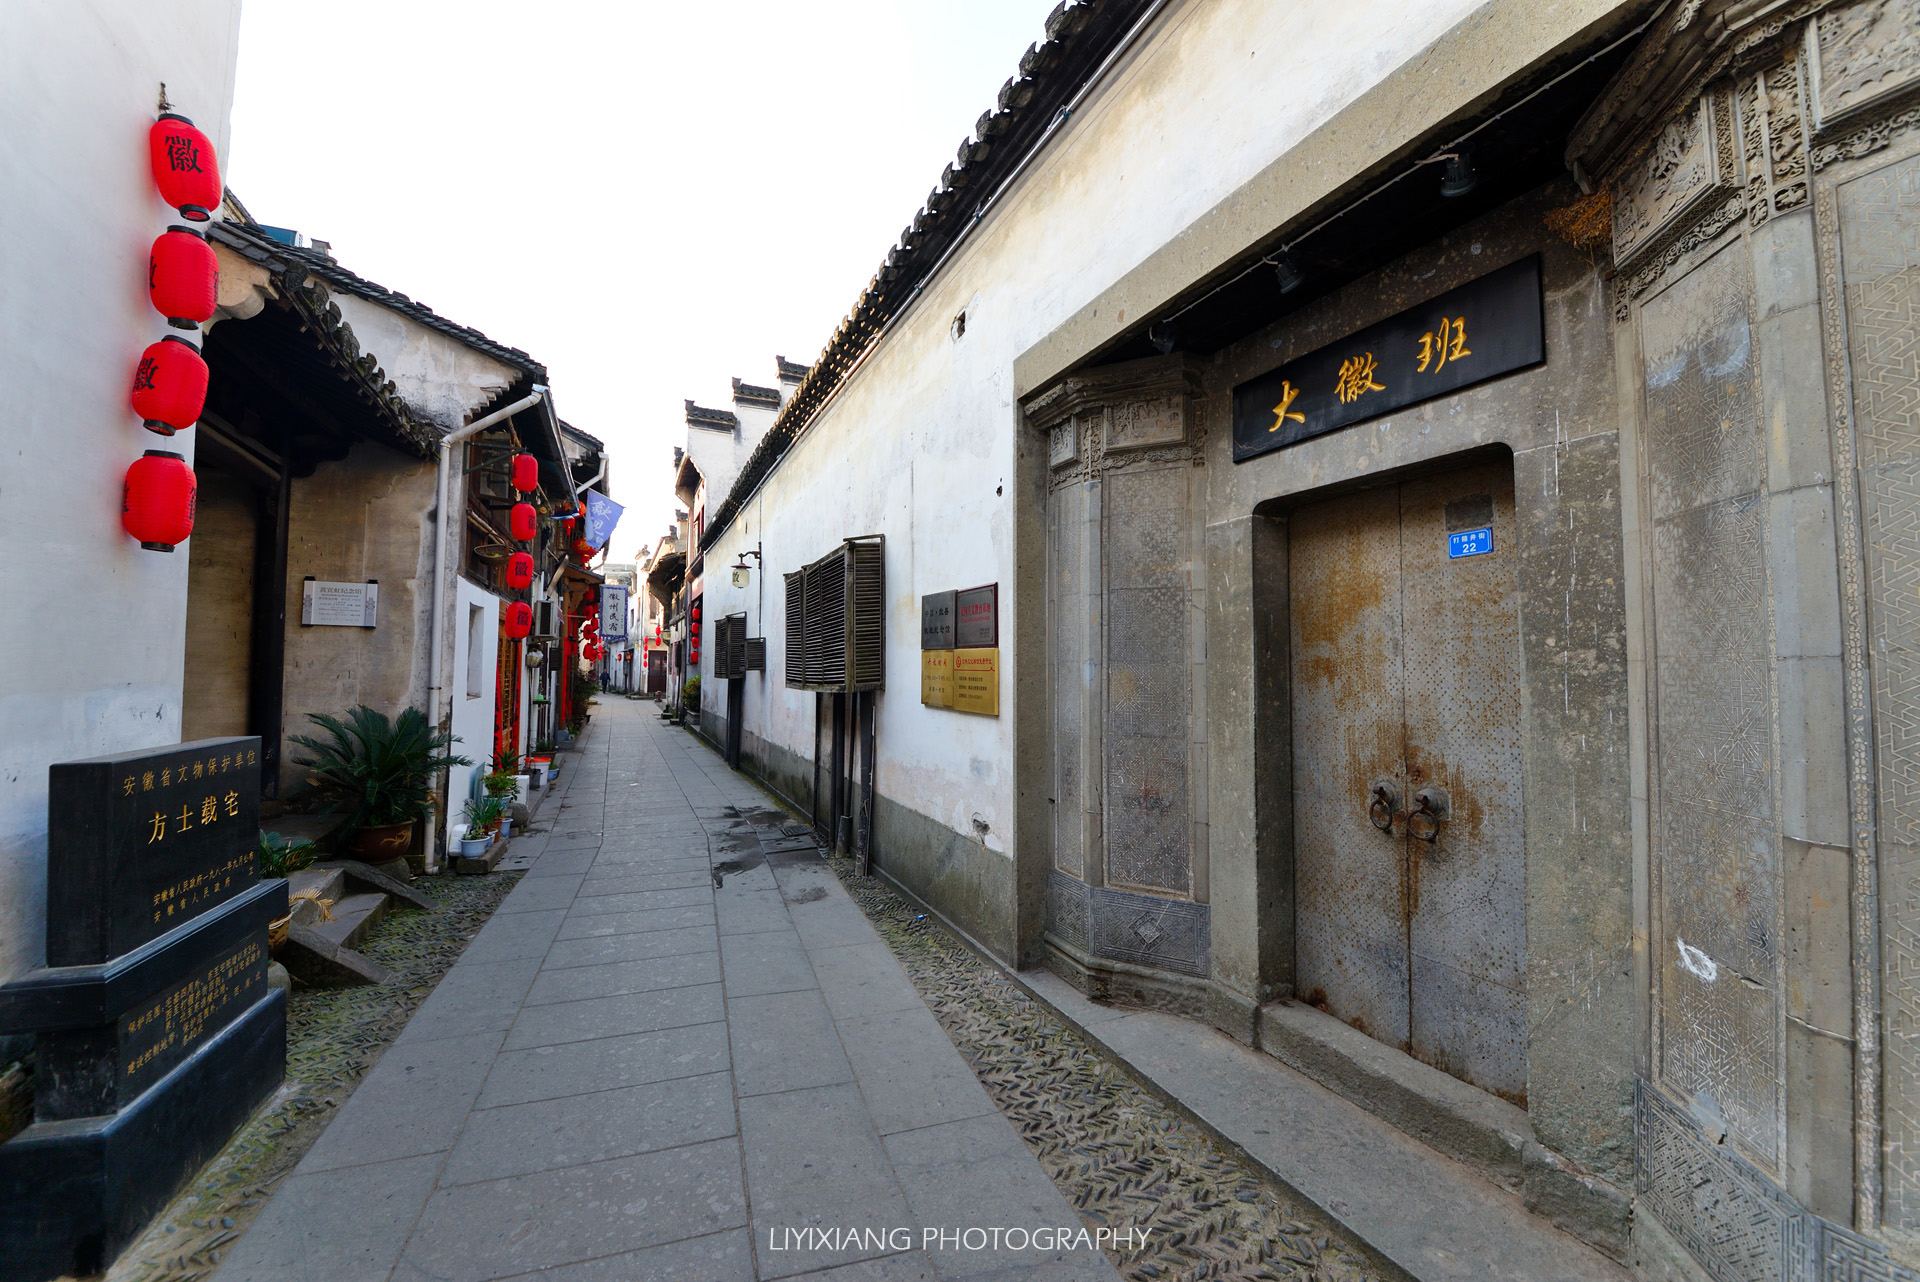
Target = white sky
(648,197)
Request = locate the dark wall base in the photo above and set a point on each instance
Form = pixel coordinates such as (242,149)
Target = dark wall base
(956,876)
(74,1194)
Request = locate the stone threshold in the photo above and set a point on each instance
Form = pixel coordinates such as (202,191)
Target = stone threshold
(1433,1216)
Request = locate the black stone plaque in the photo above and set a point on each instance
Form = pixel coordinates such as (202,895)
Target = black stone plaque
(1485,328)
(936,621)
(138,843)
(976,624)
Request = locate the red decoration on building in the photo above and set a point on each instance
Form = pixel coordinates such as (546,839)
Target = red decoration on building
(526,473)
(516,620)
(156,505)
(583,550)
(183,277)
(519,571)
(184,167)
(523,522)
(170,386)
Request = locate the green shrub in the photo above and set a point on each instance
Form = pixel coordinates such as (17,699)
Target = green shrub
(279,856)
(379,771)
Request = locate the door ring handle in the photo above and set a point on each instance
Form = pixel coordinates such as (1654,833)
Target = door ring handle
(1431,809)
(1385,799)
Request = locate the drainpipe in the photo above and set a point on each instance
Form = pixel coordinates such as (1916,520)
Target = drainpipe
(436,673)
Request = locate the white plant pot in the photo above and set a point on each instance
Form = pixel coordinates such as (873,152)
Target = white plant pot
(506,828)
(473,847)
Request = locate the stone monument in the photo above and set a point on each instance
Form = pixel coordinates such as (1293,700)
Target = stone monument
(156,1035)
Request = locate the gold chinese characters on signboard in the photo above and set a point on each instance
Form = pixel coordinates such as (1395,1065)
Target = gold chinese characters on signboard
(936,678)
(976,681)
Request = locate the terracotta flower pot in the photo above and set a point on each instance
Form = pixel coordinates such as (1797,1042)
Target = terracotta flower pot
(383,844)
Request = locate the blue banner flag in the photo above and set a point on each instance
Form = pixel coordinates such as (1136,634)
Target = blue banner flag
(602,515)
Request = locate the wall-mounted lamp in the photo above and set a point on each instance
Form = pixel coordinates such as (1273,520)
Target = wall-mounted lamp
(742,572)
(1458,178)
(1286,269)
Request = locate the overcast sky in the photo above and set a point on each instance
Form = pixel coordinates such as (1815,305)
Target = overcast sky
(648,197)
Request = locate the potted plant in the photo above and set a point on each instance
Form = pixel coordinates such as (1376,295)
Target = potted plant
(690,699)
(380,771)
(482,815)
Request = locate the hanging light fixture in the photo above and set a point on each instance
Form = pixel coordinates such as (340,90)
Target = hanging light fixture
(170,386)
(516,620)
(583,550)
(523,522)
(1162,337)
(1458,178)
(520,571)
(184,167)
(183,277)
(157,501)
(1286,269)
(526,473)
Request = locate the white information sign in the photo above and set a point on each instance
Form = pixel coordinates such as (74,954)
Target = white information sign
(339,605)
(613,612)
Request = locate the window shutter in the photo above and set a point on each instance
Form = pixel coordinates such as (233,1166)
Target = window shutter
(737,646)
(756,654)
(827,621)
(796,628)
(867,621)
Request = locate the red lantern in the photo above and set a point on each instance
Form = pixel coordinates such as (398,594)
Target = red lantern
(156,506)
(517,619)
(522,522)
(184,167)
(170,387)
(183,277)
(526,473)
(519,571)
(583,549)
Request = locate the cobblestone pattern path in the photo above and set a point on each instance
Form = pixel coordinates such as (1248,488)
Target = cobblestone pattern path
(1119,1154)
(333,1037)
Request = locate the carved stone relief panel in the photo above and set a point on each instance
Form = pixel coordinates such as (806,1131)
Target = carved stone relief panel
(1771,103)
(1860,56)
(1879,216)
(1063,443)
(1679,174)
(1142,424)
(1149,679)
(1715,827)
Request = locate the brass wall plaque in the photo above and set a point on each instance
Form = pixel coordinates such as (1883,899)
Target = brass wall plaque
(936,678)
(976,681)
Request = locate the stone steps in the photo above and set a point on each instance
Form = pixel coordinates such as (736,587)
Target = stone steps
(353,917)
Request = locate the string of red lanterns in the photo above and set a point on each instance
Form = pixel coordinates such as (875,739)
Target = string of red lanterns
(158,494)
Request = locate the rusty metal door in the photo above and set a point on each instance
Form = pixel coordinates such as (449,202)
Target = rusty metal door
(1410,864)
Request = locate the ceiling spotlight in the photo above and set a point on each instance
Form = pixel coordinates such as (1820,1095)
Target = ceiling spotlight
(1459,178)
(1161,336)
(1287,271)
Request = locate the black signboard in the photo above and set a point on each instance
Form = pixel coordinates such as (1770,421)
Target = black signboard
(976,618)
(138,843)
(1485,328)
(936,621)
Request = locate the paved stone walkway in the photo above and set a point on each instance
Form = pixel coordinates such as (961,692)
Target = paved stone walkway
(636,1074)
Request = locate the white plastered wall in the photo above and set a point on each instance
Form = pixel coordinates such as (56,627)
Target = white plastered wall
(919,443)
(95,654)
(442,380)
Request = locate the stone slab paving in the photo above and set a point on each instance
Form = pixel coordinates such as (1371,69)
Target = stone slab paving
(669,1055)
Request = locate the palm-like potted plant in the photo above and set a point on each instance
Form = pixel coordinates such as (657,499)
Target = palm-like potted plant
(482,816)
(380,771)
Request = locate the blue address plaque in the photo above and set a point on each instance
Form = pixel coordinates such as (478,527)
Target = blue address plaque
(1469,543)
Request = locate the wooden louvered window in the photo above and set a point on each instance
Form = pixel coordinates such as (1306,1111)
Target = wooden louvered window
(836,620)
(796,658)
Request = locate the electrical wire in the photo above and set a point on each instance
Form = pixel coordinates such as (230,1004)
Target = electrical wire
(1449,152)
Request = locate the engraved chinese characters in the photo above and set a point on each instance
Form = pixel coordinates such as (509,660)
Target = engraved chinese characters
(141,842)
(1485,328)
